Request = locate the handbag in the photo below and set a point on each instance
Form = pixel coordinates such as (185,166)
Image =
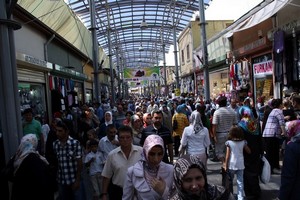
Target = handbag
(266,171)
(175,124)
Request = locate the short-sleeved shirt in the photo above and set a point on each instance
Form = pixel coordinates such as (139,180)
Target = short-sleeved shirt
(67,156)
(97,165)
(163,132)
(33,127)
(224,118)
(236,160)
(117,164)
(105,146)
(275,120)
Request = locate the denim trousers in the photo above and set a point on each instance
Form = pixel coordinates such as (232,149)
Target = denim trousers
(239,182)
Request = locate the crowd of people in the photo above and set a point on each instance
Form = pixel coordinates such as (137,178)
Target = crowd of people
(156,148)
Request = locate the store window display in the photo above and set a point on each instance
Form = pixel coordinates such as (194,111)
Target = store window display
(32,96)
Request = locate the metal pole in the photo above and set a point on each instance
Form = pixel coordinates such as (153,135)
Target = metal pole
(110,63)
(93,30)
(10,115)
(204,49)
(175,51)
(165,70)
(118,71)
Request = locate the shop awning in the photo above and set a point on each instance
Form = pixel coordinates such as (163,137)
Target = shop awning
(263,12)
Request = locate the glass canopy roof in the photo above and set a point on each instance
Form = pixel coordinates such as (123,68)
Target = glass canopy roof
(133,45)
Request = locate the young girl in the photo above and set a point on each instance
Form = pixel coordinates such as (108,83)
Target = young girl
(234,160)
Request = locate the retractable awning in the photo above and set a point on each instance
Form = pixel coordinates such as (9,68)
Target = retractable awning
(259,14)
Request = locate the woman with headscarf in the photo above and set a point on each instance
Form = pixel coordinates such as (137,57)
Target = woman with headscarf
(179,118)
(252,161)
(290,179)
(32,177)
(108,119)
(190,182)
(150,178)
(195,138)
(147,120)
(137,127)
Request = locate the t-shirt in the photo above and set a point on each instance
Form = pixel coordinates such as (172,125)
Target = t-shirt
(33,127)
(236,160)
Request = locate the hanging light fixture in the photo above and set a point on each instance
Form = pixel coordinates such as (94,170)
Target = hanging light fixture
(141,48)
(144,24)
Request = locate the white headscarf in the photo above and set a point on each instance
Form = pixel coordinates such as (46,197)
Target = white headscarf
(27,146)
(111,118)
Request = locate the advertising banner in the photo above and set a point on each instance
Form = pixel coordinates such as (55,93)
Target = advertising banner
(139,74)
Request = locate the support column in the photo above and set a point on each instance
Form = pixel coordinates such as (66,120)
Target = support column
(175,52)
(93,30)
(10,116)
(204,49)
(118,69)
(113,98)
(165,71)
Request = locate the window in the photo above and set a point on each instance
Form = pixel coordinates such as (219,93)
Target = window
(182,56)
(188,53)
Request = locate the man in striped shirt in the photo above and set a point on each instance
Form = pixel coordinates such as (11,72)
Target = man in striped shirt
(223,119)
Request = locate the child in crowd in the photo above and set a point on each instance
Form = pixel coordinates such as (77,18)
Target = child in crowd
(91,135)
(95,161)
(234,160)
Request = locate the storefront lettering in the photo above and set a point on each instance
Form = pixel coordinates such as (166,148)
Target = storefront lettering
(255,44)
(35,61)
(251,46)
(262,68)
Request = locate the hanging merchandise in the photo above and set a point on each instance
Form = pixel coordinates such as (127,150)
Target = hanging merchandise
(55,83)
(239,75)
(51,86)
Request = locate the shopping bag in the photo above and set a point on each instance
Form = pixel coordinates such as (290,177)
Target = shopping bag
(266,171)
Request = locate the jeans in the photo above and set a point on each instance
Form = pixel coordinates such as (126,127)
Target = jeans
(240,182)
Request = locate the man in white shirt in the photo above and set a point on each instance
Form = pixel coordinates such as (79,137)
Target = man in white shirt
(152,107)
(117,163)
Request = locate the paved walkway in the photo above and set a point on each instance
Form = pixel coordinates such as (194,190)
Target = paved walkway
(269,191)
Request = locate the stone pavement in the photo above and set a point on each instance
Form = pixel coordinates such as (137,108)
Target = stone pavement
(269,191)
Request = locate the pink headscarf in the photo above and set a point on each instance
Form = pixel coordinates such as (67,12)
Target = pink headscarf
(293,128)
(150,142)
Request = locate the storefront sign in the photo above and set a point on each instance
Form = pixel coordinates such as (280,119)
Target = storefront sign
(35,61)
(253,45)
(263,68)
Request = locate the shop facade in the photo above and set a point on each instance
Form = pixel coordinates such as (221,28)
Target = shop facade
(32,88)
(251,63)
(288,48)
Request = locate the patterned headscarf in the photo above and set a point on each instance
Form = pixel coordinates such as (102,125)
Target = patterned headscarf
(196,121)
(150,142)
(27,146)
(181,168)
(247,123)
(293,128)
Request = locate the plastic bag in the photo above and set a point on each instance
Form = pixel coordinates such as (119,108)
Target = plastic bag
(266,171)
